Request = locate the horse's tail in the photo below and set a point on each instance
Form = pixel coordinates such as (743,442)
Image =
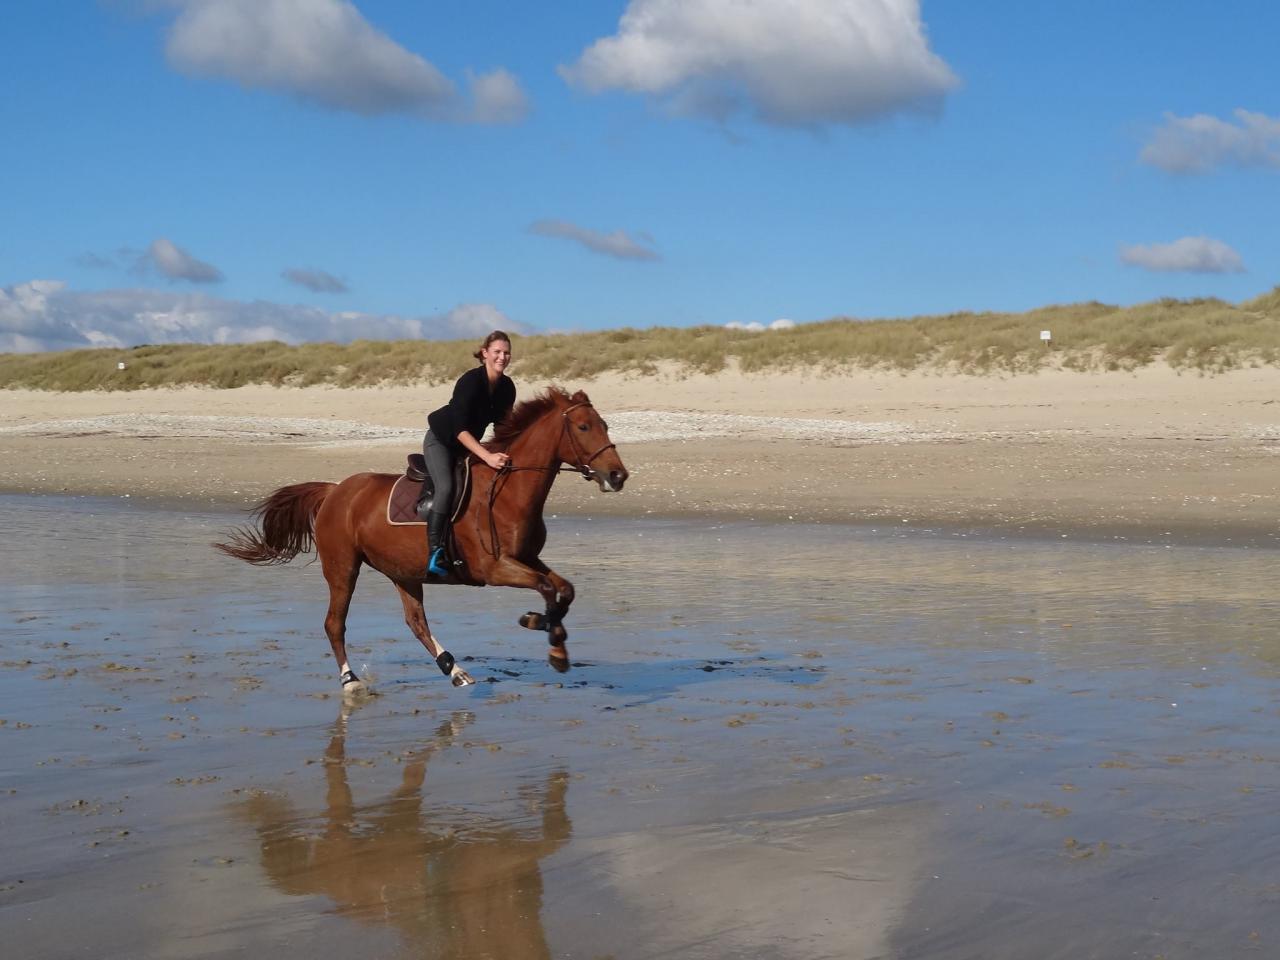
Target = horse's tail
(285,525)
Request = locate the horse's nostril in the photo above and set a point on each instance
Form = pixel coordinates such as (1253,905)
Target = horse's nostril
(617,477)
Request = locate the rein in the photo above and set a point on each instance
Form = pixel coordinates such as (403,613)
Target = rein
(583,466)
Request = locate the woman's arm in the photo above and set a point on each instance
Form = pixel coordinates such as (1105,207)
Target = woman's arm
(496,460)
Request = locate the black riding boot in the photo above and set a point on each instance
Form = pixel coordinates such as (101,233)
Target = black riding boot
(437,530)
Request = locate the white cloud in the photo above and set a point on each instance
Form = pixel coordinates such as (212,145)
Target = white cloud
(1199,143)
(497,97)
(477,318)
(617,244)
(326,52)
(755,327)
(25,321)
(176,264)
(1188,255)
(318,281)
(804,63)
(45,315)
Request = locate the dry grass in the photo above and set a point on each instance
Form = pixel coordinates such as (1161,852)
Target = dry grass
(1209,336)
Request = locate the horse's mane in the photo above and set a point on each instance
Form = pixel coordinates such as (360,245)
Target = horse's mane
(526,412)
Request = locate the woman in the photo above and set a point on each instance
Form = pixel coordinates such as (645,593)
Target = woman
(483,395)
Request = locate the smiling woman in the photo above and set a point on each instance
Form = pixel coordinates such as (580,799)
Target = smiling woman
(482,396)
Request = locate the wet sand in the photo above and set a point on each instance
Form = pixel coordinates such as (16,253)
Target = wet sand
(880,742)
(1151,456)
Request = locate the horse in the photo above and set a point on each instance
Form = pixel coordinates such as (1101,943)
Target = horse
(498,531)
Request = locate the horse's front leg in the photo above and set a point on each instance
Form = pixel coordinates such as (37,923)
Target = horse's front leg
(557,593)
(416,618)
(557,605)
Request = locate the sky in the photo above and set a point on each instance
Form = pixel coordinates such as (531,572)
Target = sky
(226,171)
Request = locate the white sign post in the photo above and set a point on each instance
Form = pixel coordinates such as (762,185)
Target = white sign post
(1044,335)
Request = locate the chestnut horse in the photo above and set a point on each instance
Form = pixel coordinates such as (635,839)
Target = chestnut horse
(497,535)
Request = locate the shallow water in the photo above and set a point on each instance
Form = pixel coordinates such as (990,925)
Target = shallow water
(778,741)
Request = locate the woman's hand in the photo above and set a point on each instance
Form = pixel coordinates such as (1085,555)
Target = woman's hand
(496,460)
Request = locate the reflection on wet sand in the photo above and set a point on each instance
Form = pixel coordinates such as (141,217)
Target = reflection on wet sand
(873,745)
(831,876)
(452,884)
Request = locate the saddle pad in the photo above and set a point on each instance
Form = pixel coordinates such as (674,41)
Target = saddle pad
(402,501)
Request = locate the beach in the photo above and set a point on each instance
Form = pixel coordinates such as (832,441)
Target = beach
(878,743)
(862,666)
(1140,455)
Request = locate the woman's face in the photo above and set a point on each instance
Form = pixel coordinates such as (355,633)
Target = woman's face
(497,355)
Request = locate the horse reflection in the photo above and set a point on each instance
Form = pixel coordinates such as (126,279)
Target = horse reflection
(453,885)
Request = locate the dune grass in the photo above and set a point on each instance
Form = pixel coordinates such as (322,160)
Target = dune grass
(1207,336)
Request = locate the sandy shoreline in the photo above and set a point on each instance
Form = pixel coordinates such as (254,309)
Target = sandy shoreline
(1149,455)
(852,752)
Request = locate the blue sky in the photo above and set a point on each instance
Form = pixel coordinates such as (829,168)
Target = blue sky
(230,170)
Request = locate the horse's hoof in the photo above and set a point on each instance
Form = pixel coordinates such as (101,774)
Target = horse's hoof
(352,685)
(460,678)
(533,621)
(558,657)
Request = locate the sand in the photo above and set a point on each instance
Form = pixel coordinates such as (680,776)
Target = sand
(1138,456)
(881,743)
(854,676)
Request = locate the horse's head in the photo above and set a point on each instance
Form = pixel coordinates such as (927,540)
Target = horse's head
(585,444)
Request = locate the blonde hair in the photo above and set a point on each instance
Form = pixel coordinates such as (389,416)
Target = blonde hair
(496,335)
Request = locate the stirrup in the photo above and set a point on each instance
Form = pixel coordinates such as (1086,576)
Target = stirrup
(436,563)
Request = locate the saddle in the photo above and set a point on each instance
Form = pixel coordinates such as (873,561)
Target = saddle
(411,497)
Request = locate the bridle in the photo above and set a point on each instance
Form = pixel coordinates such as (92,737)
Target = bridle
(584,461)
(583,466)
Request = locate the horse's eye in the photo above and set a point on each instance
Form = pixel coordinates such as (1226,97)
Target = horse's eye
(582,427)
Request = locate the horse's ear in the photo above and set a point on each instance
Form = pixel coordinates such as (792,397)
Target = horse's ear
(580,397)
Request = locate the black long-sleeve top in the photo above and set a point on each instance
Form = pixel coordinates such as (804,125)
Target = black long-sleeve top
(472,408)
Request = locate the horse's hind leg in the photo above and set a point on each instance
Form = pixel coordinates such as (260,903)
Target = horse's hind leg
(341,574)
(416,618)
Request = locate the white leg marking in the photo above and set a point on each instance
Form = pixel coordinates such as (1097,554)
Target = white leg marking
(352,687)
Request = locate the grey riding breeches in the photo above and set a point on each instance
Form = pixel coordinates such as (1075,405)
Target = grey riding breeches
(440,465)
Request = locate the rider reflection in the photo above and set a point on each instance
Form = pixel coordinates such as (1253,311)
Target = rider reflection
(452,884)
